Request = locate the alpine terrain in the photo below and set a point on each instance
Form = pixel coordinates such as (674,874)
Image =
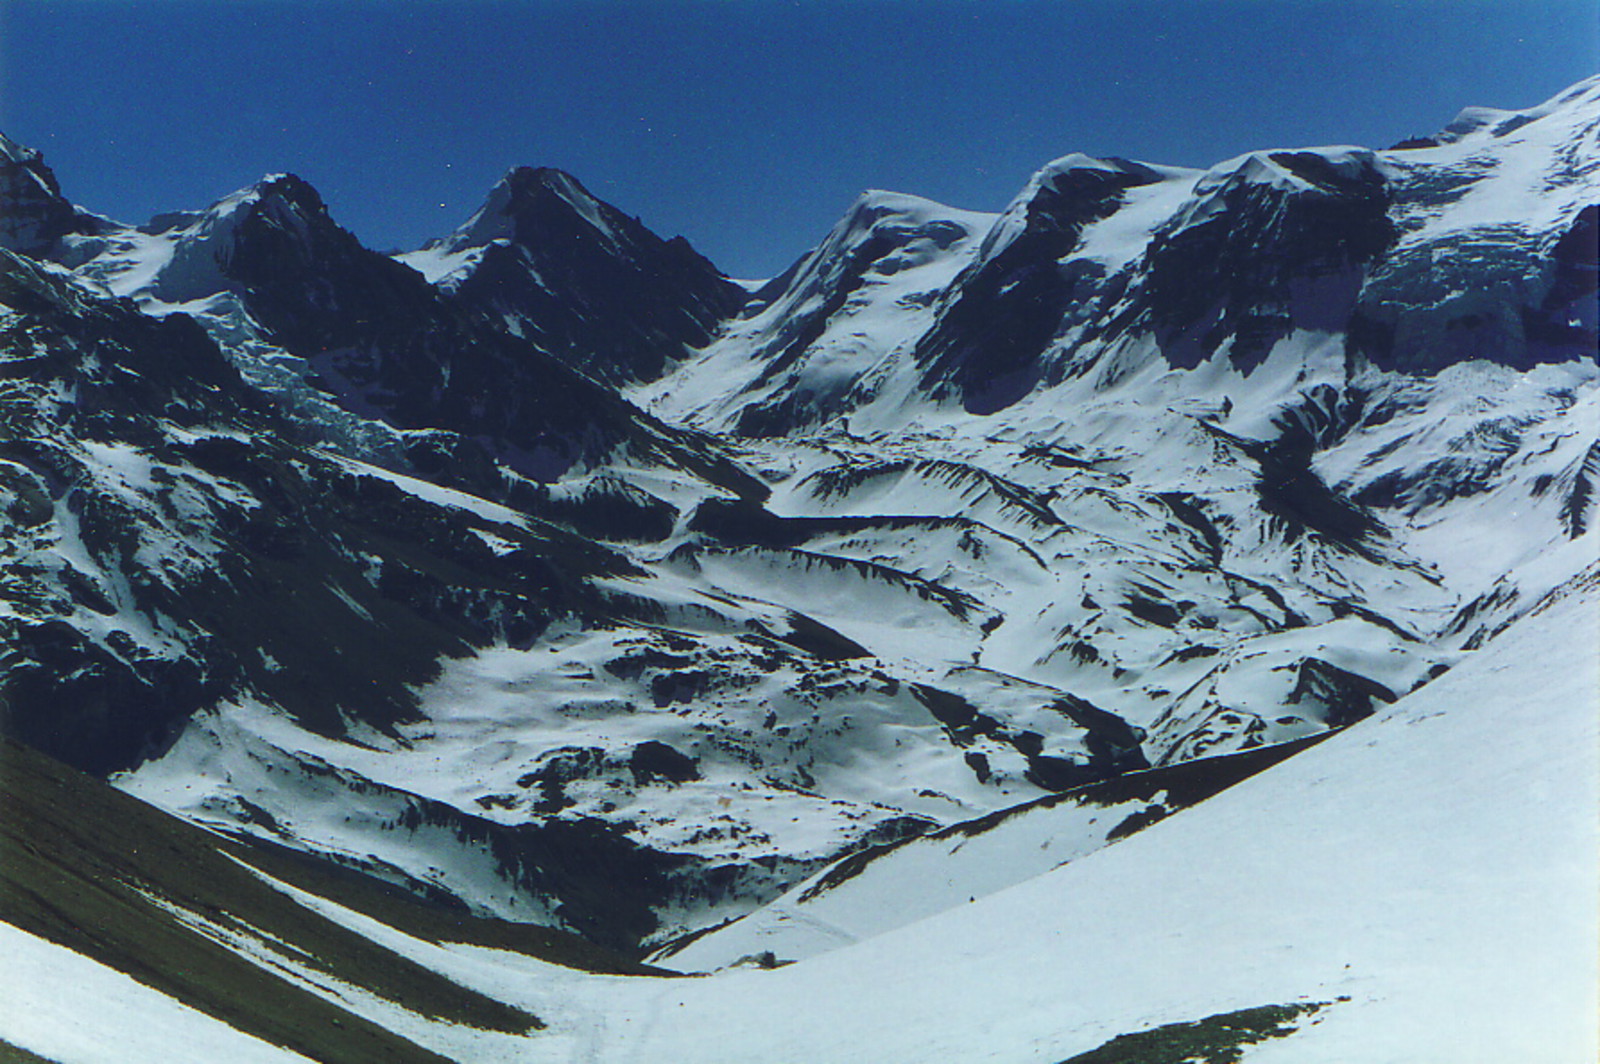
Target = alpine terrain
(1154,623)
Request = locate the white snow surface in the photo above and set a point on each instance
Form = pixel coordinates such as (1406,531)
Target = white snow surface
(1436,866)
(1514,160)
(1429,873)
(897,252)
(73,1010)
(800,761)
(912,882)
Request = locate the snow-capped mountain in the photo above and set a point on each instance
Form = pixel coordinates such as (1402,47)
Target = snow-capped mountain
(556,579)
(545,259)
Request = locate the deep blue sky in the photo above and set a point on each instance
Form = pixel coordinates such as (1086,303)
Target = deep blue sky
(746,125)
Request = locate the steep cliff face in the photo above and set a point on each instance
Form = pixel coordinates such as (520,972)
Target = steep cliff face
(1497,241)
(34,215)
(1285,240)
(1002,313)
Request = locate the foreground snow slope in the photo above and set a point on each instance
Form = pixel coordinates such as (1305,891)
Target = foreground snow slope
(1435,865)
(890,886)
(72,1009)
(1427,876)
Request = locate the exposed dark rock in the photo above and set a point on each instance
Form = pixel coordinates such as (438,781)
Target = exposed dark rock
(1413,143)
(1566,323)
(1276,258)
(683,685)
(1292,492)
(1218,1039)
(1335,696)
(388,345)
(558,768)
(1151,611)
(1191,512)
(1007,307)
(652,761)
(1485,293)
(961,718)
(1059,773)
(611,509)
(66,696)
(330,592)
(585,282)
(34,215)
(1112,743)
(815,638)
(1577,506)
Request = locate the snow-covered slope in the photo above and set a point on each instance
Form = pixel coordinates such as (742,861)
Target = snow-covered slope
(962,519)
(897,884)
(1429,873)
(51,992)
(1421,886)
(808,336)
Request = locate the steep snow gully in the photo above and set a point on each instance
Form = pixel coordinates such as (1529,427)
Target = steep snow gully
(1152,623)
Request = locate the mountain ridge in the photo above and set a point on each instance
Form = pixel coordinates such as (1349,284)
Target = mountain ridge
(550,576)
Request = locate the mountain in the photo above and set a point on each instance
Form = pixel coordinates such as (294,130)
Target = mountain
(267,267)
(177,543)
(544,259)
(37,216)
(1477,245)
(973,601)
(1364,897)
(1405,908)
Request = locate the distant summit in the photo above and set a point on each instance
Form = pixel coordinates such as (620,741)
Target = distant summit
(34,216)
(532,205)
(594,287)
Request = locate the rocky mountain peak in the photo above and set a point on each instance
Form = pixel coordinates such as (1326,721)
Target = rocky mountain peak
(531,206)
(289,195)
(33,213)
(1065,194)
(594,287)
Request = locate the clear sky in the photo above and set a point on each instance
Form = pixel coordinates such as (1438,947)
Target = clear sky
(748,126)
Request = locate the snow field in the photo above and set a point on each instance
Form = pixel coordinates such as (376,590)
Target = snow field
(73,1010)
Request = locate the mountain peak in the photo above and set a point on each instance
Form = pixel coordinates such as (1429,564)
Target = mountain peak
(1495,122)
(187,255)
(629,303)
(529,179)
(32,158)
(33,213)
(291,189)
(531,204)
